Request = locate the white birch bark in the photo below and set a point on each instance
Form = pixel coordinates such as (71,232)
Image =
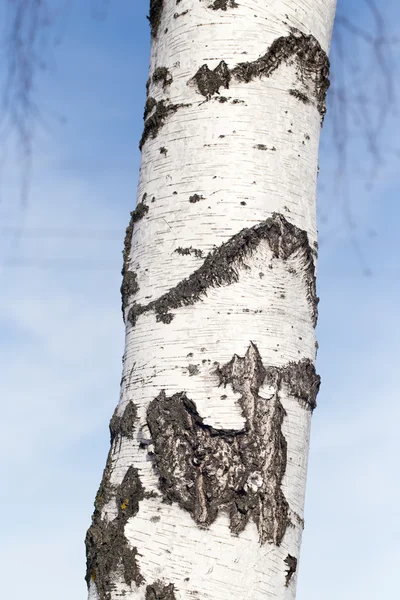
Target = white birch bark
(203,492)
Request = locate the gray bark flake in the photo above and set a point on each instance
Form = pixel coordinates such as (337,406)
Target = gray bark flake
(221,267)
(304,50)
(205,469)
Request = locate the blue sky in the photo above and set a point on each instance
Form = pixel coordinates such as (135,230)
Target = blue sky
(61,332)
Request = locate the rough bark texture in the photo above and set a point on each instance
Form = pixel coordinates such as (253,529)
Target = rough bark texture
(156,9)
(222,267)
(107,549)
(159,591)
(312,66)
(160,111)
(206,469)
(129,285)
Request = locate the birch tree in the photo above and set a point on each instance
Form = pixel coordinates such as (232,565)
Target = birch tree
(203,491)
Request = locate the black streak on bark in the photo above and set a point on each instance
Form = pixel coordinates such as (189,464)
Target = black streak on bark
(221,267)
(205,469)
(223,4)
(300,96)
(159,591)
(163,76)
(160,112)
(312,62)
(291,562)
(156,9)
(129,284)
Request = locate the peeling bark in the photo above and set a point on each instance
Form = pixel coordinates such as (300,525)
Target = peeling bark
(312,66)
(221,267)
(206,469)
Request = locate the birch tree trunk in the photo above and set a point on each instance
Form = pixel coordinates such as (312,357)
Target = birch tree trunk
(203,492)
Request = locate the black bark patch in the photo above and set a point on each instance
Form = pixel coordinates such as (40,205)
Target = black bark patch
(291,562)
(129,279)
(302,381)
(163,76)
(221,267)
(189,251)
(159,591)
(107,549)
(195,198)
(209,81)
(312,66)
(261,147)
(301,96)
(150,105)
(223,4)
(163,151)
(129,287)
(205,469)
(129,495)
(182,14)
(161,111)
(156,9)
(123,425)
(193,370)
